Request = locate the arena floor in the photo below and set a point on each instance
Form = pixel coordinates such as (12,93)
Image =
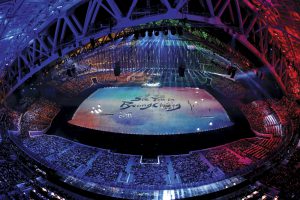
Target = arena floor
(151,111)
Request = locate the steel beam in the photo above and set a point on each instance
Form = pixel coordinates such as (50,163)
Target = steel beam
(82,32)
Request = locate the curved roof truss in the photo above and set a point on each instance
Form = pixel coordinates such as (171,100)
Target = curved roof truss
(97,18)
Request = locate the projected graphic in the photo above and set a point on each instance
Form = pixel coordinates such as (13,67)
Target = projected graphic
(151,111)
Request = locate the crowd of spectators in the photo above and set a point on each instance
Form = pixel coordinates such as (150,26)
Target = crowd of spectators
(257,152)
(44,145)
(230,88)
(73,157)
(191,168)
(19,177)
(241,146)
(272,117)
(107,167)
(150,174)
(11,175)
(269,143)
(72,86)
(226,160)
(285,109)
(285,178)
(262,118)
(25,102)
(103,166)
(39,116)
(77,84)
(13,171)
(11,118)
(255,148)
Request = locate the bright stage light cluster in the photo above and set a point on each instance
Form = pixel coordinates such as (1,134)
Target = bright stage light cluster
(96,110)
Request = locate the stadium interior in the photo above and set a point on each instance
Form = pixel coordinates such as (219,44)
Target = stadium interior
(149,99)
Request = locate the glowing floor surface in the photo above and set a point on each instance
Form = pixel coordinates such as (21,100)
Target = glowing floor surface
(151,111)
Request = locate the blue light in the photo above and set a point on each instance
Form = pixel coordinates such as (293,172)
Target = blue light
(17,29)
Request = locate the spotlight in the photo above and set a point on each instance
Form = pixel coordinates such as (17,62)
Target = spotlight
(156,33)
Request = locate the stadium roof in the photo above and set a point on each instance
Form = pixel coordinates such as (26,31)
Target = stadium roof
(284,22)
(20,21)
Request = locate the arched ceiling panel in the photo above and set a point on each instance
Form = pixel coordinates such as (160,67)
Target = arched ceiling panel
(20,20)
